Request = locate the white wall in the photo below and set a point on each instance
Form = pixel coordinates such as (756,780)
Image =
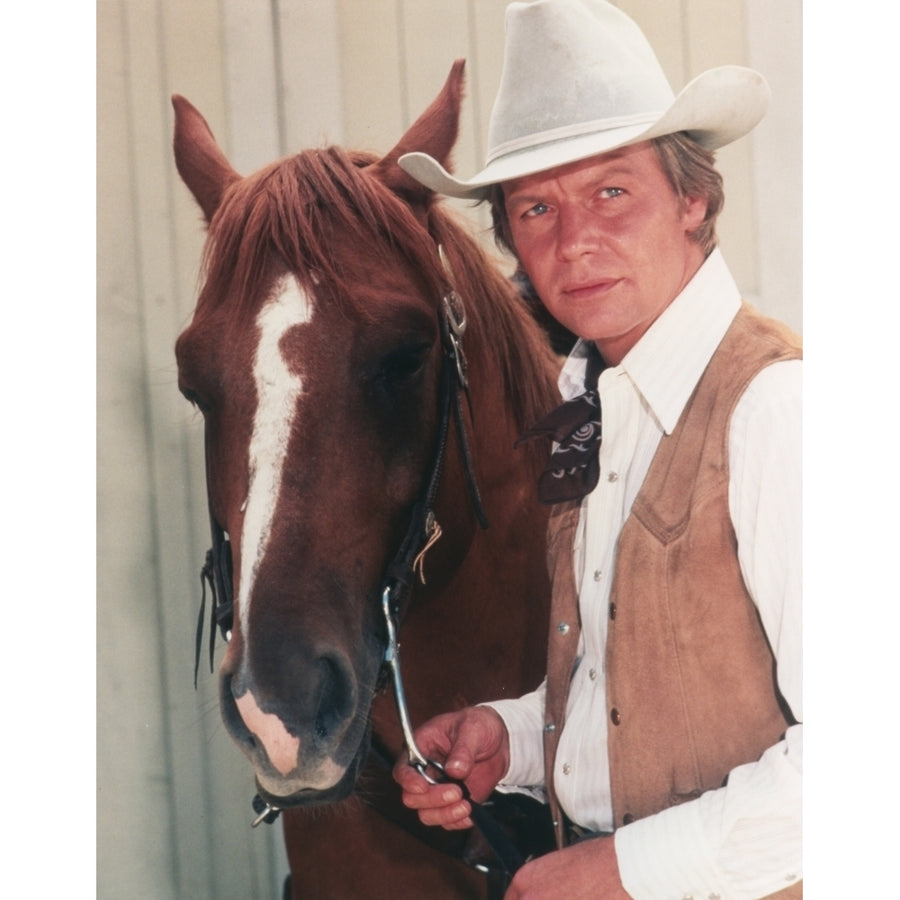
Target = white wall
(272,77)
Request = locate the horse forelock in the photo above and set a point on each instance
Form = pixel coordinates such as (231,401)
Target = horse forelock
(292,215)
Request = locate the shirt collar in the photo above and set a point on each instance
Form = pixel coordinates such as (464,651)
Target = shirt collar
(694,323)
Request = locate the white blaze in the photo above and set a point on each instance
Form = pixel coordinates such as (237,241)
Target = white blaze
(277,392)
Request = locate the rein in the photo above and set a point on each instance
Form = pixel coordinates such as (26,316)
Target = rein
(400,574)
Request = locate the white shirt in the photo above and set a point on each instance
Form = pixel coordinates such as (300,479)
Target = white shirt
(743,840)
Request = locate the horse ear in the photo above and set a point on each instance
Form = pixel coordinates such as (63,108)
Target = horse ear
(200,162)
(434,133)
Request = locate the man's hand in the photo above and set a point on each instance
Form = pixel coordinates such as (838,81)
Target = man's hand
(585,871)
(473,746)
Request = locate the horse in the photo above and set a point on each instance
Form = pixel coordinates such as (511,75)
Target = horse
(315,354)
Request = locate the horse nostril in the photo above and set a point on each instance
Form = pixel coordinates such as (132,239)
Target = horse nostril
(336,697)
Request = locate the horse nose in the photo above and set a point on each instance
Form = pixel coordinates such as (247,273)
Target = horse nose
(305,699)
(282,748)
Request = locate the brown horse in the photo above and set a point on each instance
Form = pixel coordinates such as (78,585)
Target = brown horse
(315,355)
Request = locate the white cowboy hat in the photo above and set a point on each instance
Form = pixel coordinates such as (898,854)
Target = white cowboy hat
(580,79)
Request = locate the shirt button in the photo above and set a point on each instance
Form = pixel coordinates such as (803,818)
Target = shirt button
(597,574)
(566,768)
(614,716)
(592,674)
(613,476)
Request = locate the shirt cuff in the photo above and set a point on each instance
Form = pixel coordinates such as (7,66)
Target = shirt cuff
(669,851)
(523,718)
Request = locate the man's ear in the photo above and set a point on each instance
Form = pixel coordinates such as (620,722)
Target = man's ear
(694,212)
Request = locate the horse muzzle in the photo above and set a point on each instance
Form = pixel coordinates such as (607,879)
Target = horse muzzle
(305,745)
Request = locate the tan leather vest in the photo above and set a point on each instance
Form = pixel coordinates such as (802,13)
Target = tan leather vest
(690,687)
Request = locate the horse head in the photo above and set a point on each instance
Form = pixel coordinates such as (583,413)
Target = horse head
(314,355)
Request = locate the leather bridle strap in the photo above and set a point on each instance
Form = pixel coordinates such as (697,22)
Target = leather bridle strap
(423,528)
(217,573)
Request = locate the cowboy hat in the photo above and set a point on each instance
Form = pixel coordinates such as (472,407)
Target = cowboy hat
(580,79)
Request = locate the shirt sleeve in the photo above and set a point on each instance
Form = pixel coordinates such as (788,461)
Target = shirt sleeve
(743,841)
(523,718)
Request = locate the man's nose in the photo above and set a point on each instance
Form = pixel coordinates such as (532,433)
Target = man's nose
(578,232)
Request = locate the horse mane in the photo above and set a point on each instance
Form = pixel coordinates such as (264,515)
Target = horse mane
(294,210)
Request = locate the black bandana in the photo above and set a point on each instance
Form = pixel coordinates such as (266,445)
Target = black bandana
(574,466)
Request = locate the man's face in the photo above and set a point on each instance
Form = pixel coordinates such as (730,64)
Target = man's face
(605,242)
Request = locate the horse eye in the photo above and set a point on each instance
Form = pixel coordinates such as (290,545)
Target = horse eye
(195,399)
(400,365)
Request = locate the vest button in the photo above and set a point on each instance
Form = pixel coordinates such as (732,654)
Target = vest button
(614,716)
(612,610)
(627,819)
(563,628)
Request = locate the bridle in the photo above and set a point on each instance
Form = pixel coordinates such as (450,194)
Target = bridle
(401,572)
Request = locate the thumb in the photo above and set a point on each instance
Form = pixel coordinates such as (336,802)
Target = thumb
(461,760)
(474,741)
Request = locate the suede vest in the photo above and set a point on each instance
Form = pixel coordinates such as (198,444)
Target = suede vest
(690,684)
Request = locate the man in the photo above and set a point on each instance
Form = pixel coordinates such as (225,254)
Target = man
(666,734)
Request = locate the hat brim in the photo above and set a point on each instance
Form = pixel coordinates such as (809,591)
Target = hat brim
(717,107)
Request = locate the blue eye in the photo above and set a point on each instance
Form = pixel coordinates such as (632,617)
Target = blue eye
(609,193)
(537,210)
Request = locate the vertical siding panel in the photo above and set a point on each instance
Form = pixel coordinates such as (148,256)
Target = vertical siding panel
(716,35)
(169,476)
(778,156)
(310,74)
(372,93)
(135,849)
(251,86)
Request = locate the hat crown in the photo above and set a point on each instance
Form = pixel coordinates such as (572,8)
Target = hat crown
(569,66)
